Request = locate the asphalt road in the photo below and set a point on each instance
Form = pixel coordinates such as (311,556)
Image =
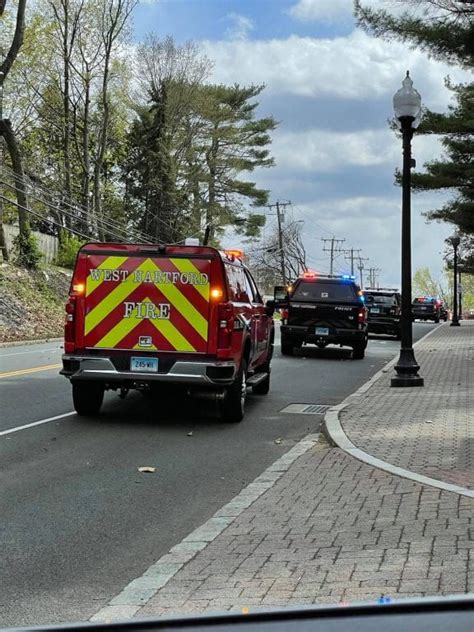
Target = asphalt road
(78,522)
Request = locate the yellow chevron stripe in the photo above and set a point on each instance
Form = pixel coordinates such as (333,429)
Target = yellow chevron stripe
(126,325)
(122,291)
(111,263)
(173,336)
(185,307)
(110,302)
(186,265)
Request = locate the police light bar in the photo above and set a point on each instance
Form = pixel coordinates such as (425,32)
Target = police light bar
(348,277)
(309,274)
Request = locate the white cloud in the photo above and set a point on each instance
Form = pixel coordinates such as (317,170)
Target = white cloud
(353,67)
(342,176)
(322,10)
(324,151)
(241,28)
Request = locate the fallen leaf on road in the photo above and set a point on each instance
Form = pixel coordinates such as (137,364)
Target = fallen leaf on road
(190,434)
(278,441)
(148,469)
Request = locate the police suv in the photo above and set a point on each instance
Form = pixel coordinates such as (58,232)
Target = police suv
(322,310)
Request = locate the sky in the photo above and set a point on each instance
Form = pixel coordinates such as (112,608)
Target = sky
(330,86)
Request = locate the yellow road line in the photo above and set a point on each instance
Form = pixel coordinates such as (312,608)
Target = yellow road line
(36,369)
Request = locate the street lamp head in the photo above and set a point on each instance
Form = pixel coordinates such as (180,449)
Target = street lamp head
(407,102)
(455,240)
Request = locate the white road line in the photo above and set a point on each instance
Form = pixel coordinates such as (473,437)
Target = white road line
(8,355)
(35,423)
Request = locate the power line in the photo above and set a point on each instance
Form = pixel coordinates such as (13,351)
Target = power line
(78,207)
(120,235)
(28,210)
(77,212)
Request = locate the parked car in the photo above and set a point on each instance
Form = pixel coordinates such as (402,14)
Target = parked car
(322,310)
(140,315)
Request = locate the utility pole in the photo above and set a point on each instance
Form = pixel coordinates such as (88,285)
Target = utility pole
(349,256)
(374,276)
(280,219)
(332,249)
(361,269)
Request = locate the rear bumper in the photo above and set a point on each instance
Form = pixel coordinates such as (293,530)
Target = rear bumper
(336,336)
(424,315)
(384,325)
(76,367)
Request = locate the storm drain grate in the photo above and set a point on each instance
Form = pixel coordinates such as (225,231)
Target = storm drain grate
(306,409)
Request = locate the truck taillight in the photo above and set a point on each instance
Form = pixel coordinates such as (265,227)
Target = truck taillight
(225,320)
(69,325)
(361,316)
(284,313)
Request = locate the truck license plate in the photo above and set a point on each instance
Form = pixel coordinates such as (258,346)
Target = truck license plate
(145,365)
(322,331)
(375,310)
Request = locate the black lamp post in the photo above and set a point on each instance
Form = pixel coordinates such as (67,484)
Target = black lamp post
(407,107)
(455,240)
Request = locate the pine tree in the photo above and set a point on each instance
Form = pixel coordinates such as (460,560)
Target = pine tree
(446,32)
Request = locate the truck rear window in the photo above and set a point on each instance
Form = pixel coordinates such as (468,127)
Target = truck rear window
(321,291)
(384,299)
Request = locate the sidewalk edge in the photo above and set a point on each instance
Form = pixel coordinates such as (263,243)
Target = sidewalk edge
(336,436)
(21,343)
(140,590)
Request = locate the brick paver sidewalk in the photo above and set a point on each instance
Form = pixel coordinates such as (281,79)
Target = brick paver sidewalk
(428,430)
(331,529)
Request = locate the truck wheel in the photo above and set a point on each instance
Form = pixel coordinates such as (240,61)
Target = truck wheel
(358,350)
(87,397)
(263,387)
(233,406)
(287,345)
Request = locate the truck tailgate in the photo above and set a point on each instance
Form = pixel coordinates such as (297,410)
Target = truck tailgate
(147,303)
(323,315)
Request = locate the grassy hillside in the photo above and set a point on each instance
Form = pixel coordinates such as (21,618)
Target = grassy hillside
(32,303)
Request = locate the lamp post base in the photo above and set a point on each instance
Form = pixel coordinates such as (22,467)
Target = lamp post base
(407,370)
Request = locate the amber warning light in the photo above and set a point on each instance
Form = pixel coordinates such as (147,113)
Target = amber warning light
(234,254)
(79,288)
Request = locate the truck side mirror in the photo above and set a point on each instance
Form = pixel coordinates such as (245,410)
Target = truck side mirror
(270,308)
(280,294)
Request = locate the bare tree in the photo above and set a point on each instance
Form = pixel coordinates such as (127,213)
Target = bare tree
(113,18)
(265,257)
(67,14)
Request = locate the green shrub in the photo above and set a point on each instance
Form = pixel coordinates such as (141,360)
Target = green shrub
(26,252)
(67,251)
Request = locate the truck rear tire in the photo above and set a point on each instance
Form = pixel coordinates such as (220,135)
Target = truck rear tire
(287,345)
(87,397)
(233,406)
(358,351)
